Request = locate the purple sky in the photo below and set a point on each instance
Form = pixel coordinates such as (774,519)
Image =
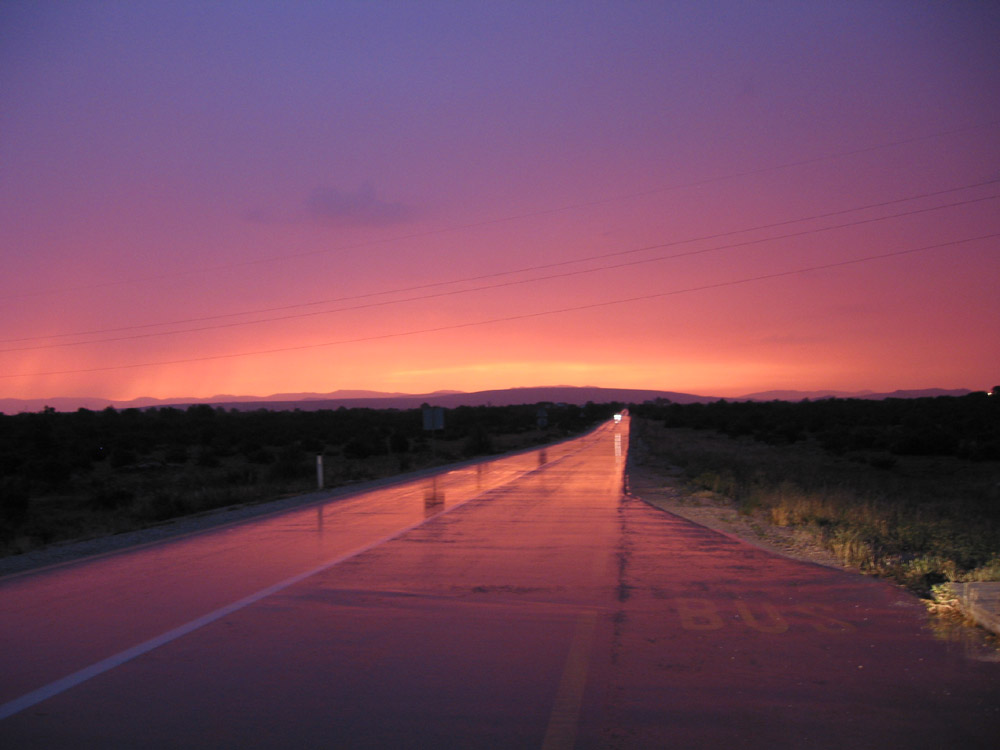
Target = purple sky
(213,162)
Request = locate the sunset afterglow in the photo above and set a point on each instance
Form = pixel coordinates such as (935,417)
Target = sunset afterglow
(719,198)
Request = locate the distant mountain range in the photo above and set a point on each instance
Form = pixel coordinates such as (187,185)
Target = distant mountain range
(872,395)
(450,399)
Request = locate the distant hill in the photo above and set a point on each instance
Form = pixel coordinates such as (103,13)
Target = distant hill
(813,395)
(15,405)
(509,397)
(925,393)
(450,399)
(800,395)
(369,399)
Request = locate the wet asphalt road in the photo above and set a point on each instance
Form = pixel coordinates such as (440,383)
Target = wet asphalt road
(525,602)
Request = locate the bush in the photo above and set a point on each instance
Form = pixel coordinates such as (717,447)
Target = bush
(399,443)
(15,500)
(915,520)
(359,448)
(259,456)
(176,454)
(478,443)
(82,467)
(110,498)
(207,458)
(123,457)
(289,463)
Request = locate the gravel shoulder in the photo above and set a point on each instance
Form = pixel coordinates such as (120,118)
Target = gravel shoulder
(663,487)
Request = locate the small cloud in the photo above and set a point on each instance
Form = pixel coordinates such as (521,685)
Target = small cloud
(359,208)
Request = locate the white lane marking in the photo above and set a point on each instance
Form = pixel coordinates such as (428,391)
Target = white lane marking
(334,494)
(62,685)
(59,686)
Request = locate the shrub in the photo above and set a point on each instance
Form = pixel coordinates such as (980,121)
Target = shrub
(15,499)
(207,458)
(110,498)
(478,443)
(289,463)
(399,443)
(123,456)
(176,454)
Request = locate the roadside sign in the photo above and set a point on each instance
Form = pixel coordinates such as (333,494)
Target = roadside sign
(433,418)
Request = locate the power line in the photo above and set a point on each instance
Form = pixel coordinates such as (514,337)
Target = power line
(502,284)
(510,318)
(435,295)
(509,218)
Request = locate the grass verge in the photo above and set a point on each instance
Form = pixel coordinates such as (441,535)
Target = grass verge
(922,522)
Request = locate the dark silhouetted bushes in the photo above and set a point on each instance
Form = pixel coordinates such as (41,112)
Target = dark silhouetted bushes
(967,426)
(86,473)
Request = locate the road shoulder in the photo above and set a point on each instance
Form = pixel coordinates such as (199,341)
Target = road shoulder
(954,618)
(663,487)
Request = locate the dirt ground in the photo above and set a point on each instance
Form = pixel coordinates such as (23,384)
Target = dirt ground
(662,486)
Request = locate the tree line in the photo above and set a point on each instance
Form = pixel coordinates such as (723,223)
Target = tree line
(966,427)
(69,462)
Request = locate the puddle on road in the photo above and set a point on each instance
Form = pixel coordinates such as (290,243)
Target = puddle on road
(949,625)
(433,498)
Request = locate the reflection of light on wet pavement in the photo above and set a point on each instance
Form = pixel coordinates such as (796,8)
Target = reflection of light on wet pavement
(699,614)
(552,610)
(433,498)
(950,625)
(564,721)
(140,599)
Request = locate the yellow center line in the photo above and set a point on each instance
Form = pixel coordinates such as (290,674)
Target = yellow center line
(565,717)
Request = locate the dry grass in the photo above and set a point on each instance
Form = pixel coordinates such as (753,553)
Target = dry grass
(923,522)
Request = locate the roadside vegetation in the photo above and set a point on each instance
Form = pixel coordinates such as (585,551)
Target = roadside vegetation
(907,489)
(88,473)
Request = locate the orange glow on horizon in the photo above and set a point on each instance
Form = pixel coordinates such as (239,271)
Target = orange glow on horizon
(618,210)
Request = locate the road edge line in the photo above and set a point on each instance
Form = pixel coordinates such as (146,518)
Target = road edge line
(63,684)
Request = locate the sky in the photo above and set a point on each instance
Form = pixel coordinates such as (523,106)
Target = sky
(719,198)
